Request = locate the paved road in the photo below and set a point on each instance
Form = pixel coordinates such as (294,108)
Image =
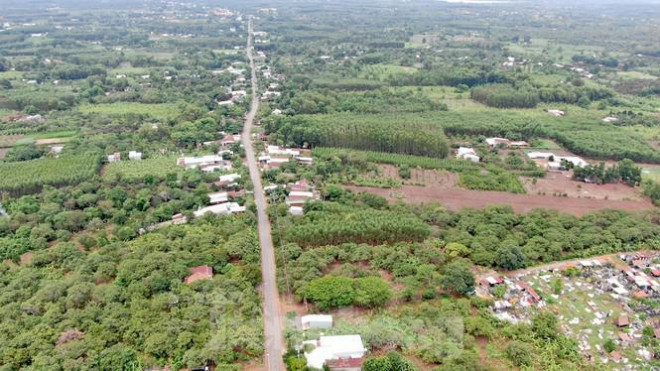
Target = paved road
(271,305)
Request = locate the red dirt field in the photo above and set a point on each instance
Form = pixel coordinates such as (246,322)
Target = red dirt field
(560,182)
(456,199)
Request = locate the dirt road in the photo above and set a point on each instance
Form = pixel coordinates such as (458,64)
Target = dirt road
(271,306)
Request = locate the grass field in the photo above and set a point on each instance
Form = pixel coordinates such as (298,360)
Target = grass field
(137,170)
(651,172)
(11,75)
(445,94)
(546,144)
(27,176)
(563,52)
(381,72)
(4,112)
(646,132)
(421,40)
(128,71)
(635,75)
(160,111)
(62,134)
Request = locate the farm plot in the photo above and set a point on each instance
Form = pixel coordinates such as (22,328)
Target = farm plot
(158,167)
(457,199)
(557,183)
(390,176)
(28,176)
(159,111)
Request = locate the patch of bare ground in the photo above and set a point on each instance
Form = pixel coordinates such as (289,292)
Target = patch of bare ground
(289,304)
(26,258)
(435,178)
(9,140)
(561,183)
(3,152)
(51,141)
(456,199)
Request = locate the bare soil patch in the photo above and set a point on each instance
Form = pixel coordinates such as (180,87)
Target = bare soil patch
(9,140)
(434,178)
(51,141)
(390,171)
(26,258)
(3,152)
(457,199)
(560,182)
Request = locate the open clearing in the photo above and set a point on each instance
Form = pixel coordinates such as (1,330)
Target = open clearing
(457,199)
(559,183)
(159,111)
(426,186)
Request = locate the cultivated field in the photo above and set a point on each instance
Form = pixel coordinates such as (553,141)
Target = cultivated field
(561,184)
(456,199)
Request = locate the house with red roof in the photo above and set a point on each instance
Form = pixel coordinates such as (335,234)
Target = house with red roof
(623,321)
(526,288)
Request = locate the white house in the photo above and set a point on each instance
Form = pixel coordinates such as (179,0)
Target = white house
(218,197)
(195,162)
(282,151)
(222,166)
(466,153)
(225,103)
(270,95)
(329,348)
(556,112)
(226,208)
(238,95)
(305,160)
(270,188)
(545,155)
(316,321)
(115,157)
(493,142)
(264,159)
(277,112)
(296,211)
(56,149)
(230,177)
(133,155)
(610,119)
(576,161)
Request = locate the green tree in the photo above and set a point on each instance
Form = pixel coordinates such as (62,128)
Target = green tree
(519,353)
(392,361)
(544,325)
(457,277)
(584,101)
(454,250)
(371,292)
(330,292)
(510,257)
(609,346)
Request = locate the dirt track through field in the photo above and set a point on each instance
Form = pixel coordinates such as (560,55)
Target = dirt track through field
(456,199)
